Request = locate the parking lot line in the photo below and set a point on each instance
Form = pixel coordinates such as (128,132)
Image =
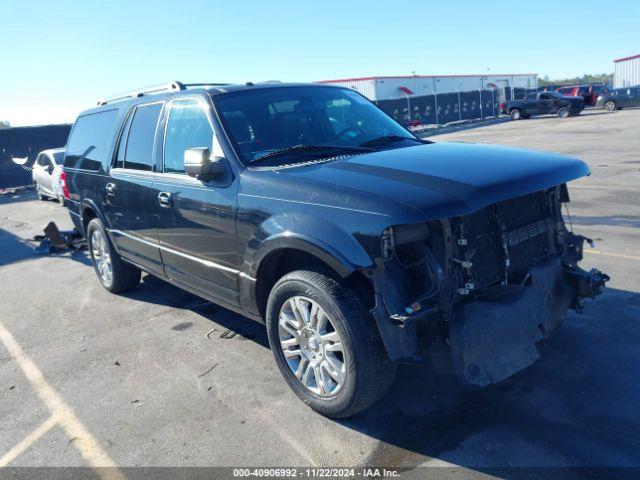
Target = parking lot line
(61,413)
(29,440)
(611,254)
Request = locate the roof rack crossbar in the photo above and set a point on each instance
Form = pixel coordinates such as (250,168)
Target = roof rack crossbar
(164,87)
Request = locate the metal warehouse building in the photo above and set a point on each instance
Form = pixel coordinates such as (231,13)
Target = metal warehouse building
(627,72)
(384,88)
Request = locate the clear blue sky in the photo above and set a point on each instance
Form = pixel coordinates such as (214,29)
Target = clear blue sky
(59,56)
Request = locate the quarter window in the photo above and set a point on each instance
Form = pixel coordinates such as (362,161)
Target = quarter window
(88,144)
(139,151)
(187,127)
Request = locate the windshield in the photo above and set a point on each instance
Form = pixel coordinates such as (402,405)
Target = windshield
(268,120)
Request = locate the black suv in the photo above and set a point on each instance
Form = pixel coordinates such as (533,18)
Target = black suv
(308,208)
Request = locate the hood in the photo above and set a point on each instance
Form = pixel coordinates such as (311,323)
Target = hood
(446,179)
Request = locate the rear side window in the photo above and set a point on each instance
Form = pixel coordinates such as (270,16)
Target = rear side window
(140,140)
(88,147)
(187,127)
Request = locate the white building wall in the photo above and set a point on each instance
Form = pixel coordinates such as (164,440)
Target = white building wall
(382,88)
(365,87)
(627,73)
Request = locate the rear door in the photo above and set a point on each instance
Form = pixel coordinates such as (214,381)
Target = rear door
(129,202)
(196,219)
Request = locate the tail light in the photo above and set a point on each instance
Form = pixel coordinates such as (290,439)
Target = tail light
(502,106)
(65,189)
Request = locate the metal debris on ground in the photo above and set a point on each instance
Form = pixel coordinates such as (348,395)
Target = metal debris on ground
(14,190)
(55,240)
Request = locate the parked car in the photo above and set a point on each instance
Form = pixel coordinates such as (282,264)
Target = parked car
(620,98)
(359,245)
(589,93)
(541,103)
(46,174)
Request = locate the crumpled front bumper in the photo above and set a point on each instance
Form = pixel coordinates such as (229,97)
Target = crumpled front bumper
(492,340)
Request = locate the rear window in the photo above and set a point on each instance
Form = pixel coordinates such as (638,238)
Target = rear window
(139,151)
(87,148)
(58,157)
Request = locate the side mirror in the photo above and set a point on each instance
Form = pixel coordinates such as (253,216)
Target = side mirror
(199,163)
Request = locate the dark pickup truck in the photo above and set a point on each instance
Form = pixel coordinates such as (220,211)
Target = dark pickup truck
(541,103)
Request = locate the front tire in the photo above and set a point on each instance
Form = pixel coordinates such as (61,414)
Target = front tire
(114,274)
(609,105)
(326,345)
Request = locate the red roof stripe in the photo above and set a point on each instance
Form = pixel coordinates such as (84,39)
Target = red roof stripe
(626,58)
(386,77)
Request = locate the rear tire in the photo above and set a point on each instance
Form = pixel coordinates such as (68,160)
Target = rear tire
(515,114)
(563,112)
(62,201)
(114,274)
(609,105)
(364,372)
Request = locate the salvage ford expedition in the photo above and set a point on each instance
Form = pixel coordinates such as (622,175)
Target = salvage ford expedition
(359,245)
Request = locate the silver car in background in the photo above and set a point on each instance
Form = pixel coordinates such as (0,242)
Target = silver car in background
(47,170)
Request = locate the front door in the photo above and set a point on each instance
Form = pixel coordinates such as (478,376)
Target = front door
(196,219)
(546,103)
(129,201)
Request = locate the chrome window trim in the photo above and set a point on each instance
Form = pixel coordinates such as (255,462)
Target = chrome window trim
(204,106)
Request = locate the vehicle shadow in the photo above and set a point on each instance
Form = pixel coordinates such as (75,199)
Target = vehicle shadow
(584,113)
(577,407)
(154,290)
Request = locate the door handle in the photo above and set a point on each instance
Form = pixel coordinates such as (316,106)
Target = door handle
(110,188)
(165,200)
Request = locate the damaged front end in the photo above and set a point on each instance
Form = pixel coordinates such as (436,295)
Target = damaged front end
(477,293)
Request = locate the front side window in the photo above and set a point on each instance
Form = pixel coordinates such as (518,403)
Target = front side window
(267,120)
(187,127)
(139,150)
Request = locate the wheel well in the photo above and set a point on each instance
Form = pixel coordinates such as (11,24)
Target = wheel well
(280,262)
(87,215)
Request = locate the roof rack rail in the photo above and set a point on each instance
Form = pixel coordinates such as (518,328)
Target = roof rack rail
(207,84)
(164,87)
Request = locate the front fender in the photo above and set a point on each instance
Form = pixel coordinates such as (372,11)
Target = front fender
(318,237)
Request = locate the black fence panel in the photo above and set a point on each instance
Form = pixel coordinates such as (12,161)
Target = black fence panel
(423,109)
(448,109)
(26,142)
(490,104)
(397,108)
(470,105)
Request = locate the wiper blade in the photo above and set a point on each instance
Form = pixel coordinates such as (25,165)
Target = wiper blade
(313,150)
(390,139)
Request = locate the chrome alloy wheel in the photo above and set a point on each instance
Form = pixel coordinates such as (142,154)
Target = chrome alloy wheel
(312,346)
(101,256)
